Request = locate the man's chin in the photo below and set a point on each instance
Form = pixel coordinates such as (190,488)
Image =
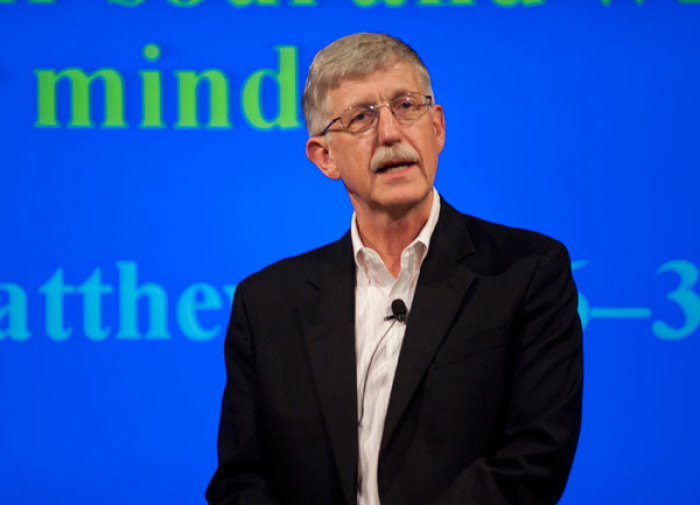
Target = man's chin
(402,202)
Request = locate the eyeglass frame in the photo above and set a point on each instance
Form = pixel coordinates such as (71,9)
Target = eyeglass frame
(375,108)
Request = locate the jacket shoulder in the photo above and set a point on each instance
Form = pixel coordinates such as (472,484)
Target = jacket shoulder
(520,241)
(290,273)
(497,246)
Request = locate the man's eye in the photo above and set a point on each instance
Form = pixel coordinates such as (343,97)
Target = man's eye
(359,117)
(406,105)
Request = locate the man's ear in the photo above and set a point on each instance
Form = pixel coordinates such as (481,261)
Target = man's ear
(317,150)
(438,117)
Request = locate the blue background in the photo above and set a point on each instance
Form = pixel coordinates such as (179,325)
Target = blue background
(572,118)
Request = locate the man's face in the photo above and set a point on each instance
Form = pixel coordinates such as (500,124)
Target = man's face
(362,160)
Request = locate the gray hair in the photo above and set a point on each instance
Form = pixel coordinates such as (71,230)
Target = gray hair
(352,56)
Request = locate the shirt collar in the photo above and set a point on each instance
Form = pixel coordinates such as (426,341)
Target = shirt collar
(423,237)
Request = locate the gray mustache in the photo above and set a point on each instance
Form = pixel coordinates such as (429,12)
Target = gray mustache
(396,152)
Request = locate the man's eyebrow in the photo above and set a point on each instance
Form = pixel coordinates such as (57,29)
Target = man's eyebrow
(366,102)
(360,102)
(401,92)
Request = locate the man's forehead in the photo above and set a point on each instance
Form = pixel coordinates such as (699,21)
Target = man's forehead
(384,83)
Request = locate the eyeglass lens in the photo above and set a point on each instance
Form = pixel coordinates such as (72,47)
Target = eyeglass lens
(362,117)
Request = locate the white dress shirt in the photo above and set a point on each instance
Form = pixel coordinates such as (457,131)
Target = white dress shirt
(378,342)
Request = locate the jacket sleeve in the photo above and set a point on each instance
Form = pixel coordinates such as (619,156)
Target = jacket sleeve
(543,409)
(241,477)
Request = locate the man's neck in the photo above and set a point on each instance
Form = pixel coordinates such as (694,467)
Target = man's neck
(389,233)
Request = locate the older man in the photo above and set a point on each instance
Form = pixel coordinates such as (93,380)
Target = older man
(425,358)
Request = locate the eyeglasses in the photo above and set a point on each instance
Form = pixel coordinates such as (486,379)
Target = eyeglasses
(360,118)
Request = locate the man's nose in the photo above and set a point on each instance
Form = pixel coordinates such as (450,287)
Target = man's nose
(388,127)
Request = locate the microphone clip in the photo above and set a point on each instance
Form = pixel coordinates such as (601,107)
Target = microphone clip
(399,312)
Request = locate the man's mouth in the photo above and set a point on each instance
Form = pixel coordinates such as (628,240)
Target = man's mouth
(394,166)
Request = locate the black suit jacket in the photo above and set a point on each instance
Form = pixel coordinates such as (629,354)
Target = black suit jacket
(486,402)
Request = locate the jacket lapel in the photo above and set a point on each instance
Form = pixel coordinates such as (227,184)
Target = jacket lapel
(442,287)
(328,316)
